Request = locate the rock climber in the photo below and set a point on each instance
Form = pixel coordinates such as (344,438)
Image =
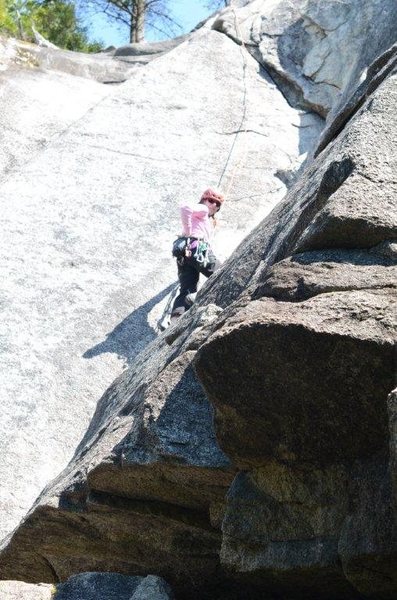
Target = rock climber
(192,250)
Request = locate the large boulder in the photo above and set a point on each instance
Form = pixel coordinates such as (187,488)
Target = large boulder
(302,408)
(90,586)
(311,378)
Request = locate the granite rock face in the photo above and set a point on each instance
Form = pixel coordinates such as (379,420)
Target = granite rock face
(148,478)
(112,586)
(315,385)
(249,451)
(18,590)
(303,410)
(82,301)
(314,49)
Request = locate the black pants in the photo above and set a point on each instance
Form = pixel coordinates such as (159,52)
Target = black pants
(189,274)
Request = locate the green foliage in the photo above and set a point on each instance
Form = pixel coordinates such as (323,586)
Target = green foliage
(56,20)
(8,24)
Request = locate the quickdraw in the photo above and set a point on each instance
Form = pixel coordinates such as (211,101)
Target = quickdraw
(186,247)
(201,253)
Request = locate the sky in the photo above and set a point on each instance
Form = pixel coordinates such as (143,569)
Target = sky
(186,12)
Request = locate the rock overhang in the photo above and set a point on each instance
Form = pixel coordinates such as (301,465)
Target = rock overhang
(310,380)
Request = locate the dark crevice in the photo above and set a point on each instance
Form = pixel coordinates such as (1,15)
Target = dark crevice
(333,179)
(245,131)
(115,82)
(135,402)
(302,293)
(152,508)
(51,568)
(289,89)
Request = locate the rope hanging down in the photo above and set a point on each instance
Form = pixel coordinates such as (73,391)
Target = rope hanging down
(240,130)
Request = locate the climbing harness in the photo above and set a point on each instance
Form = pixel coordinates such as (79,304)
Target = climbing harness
(186,247)
(201,253)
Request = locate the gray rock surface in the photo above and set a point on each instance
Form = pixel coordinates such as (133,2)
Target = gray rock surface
(100,67)
(316,50)
(112,586)
(89,209)
(18,590)
(281,527)
(298,366)
(321,506)
(36,108)
(320,400)
(348,105)
(90,586)
(302,276)
(152,588)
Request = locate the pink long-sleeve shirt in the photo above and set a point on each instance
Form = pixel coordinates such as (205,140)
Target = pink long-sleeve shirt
(196,221)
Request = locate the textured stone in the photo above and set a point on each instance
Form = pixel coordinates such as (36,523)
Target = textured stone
(119,159)
(112,586)
(99,67)
(351,217)
(309,381)
(145,492)
(98,586)
(282,525)
(35,107)
(299,387)
(18,590)
(368,541)
(302,406)
(316,51)
(152,588)
(343,111)
(331,530)
(302,276)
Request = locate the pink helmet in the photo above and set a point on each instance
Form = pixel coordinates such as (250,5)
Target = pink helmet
(211,194)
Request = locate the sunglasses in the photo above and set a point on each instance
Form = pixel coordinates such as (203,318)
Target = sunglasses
(214,202)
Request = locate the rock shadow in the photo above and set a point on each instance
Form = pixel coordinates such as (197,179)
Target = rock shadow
(182,433)
(359,258)
(133,334)
(311,124)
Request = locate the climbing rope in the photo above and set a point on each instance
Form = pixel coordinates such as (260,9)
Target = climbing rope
(240,129)
(202,252)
